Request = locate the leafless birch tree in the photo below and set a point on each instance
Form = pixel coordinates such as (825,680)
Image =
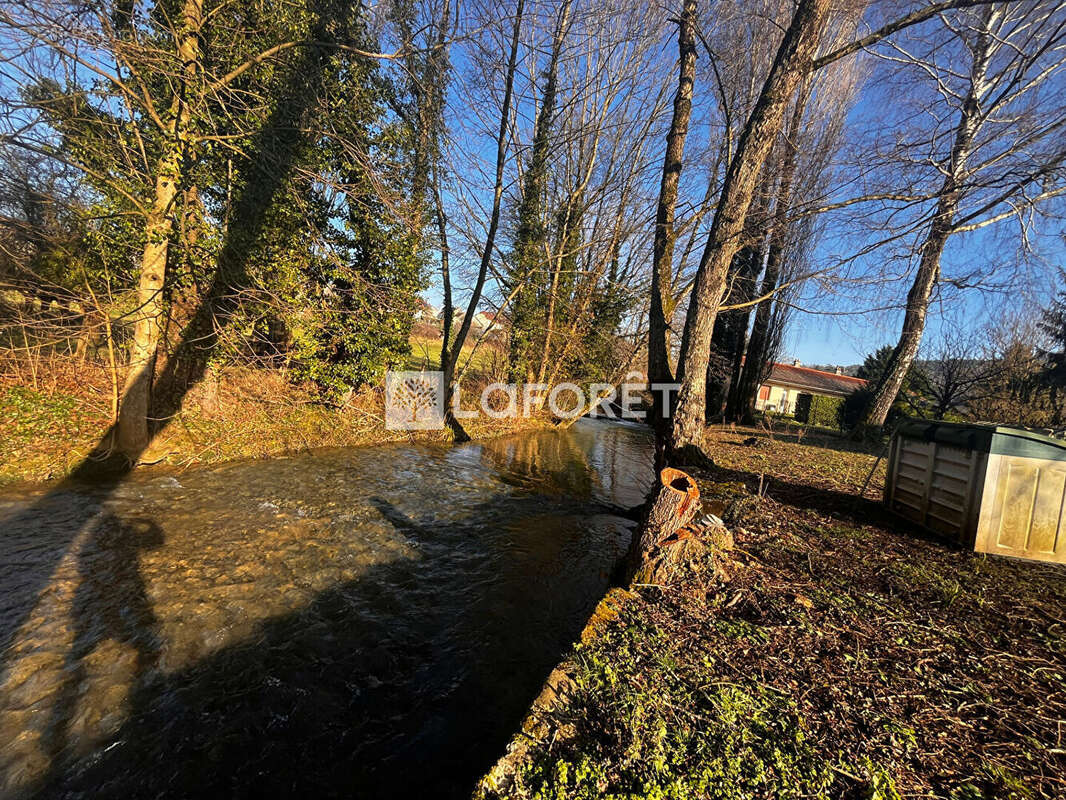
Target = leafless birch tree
(1007,151)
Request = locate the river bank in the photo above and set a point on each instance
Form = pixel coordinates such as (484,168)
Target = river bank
(48,426)
(845,657)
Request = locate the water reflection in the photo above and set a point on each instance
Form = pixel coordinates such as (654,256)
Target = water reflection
(596,460)
(367,622)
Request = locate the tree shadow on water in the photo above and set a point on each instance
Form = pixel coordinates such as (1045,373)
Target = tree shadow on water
(269,163)
(110,603)
(404,682)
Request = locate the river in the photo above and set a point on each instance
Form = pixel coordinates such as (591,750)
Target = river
(363,622)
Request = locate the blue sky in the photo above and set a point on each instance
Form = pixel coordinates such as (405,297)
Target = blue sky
(856,316)
(845,333)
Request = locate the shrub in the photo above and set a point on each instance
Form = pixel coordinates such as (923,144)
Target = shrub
(823,412)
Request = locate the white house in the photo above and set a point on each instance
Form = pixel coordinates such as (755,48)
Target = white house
(425,312)
(788,381)
(483,319)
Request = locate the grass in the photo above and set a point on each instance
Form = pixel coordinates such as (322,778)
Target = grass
(847,657)
(817,459)
(486,359)
(669,727)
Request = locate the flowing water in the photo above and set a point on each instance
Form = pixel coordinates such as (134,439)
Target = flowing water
(366,622)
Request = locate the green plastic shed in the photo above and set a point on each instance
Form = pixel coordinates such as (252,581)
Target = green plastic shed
(995,488)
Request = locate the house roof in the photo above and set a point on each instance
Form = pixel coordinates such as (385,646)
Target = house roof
(814,380)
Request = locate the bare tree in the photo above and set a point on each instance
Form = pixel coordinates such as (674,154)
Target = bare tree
(795,58)
(598,194)
(740,52)
(793,61)
(805,170)
(957,370)
(1015,391)
(574,180)
(450,352)
(1006,154)
(659,370)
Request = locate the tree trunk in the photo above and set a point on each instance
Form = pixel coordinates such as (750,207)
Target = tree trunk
(751,377)
(791,65)
(131,430)
(739,319)
(743,405)
(456,348)
(530,250)
(926,279)
(448,306)
(432,113)
(659,370)
(730,328)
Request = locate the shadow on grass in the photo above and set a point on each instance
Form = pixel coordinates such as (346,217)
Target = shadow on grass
(843,506)
(825,438)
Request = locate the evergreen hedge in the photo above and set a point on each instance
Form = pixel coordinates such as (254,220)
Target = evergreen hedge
(823,412)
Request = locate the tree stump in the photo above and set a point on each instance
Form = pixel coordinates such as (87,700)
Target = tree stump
(674,507)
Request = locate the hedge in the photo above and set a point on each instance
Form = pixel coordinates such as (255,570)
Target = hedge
(823,412)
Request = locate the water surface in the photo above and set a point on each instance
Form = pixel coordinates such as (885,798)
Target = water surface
(366,622)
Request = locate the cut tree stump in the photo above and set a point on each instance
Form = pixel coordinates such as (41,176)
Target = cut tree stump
(674,507)
(674,545)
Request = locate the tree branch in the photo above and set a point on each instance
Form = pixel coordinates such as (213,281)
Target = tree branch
(915,17)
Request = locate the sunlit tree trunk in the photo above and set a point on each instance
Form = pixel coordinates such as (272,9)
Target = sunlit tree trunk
(941,229)
(530,249)
(791,65)
(131,430)
(450,354)
(662,290)
(743,402)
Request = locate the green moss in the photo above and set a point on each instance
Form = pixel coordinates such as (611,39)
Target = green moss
(993,782)
(844,531)
(881,787)
(656,719)
(28,417)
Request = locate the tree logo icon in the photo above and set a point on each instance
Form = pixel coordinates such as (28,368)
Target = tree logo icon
(414,401)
